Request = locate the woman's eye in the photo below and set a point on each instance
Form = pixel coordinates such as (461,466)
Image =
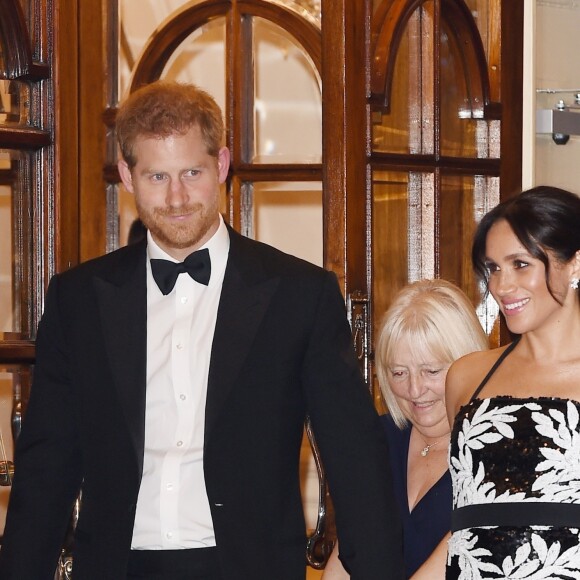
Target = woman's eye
(491,268)
(520,264)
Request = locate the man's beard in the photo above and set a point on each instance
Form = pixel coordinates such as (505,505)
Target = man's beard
(176,235)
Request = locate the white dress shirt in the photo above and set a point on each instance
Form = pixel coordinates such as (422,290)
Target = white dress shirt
(173,509)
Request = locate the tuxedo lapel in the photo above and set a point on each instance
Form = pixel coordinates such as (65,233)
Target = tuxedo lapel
(245,297)
(122,300)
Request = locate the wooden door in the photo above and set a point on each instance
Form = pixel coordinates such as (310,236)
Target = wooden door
(38,189)
(443,139)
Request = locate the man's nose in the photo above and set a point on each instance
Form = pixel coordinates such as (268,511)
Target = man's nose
(176,193)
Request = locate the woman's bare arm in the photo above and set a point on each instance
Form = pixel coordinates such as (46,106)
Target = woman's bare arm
(334,569)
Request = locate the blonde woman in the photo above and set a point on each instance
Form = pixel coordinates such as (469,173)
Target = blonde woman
(430,324)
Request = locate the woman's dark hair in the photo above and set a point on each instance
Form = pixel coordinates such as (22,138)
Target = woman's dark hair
(544,219)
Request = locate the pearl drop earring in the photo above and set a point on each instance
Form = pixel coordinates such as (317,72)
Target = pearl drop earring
(574,283)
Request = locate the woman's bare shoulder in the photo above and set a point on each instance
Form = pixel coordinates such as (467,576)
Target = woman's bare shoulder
(466,374)
(474,361)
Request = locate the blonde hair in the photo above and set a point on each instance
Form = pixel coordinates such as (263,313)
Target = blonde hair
(437,319)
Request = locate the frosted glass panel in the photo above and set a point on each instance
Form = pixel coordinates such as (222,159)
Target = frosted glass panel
(138,20)
(408,125)
(390,237)
(6,301)
(14,392)
(14,103)
(200,59)
(288,101)
(309,9)
(15,248)
(16,242)
(288,216)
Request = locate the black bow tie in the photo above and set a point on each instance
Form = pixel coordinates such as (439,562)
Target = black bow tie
(197,265)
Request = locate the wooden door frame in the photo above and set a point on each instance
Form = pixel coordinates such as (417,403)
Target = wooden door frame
(345,141)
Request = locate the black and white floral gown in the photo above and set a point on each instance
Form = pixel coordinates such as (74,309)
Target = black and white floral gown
(515,466)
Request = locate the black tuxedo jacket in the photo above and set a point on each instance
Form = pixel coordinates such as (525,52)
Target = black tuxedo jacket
(281,350)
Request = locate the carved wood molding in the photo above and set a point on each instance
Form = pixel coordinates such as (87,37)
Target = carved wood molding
(24,138)
(17,351)
(15,45)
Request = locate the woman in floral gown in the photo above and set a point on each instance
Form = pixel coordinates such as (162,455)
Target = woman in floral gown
(515,444)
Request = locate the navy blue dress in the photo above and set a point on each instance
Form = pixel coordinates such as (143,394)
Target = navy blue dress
(430,520)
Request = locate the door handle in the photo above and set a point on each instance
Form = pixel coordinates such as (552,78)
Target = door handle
(358,308)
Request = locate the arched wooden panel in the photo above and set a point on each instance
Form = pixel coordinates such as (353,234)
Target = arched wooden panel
(15,41)
(192,16)
(389,24)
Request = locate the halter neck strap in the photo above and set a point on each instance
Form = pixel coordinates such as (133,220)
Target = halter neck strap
(494,367)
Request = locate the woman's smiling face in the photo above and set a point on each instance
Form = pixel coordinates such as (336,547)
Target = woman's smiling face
(418,382)
(517,281)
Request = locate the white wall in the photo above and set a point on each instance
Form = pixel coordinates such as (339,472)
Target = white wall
(552,62)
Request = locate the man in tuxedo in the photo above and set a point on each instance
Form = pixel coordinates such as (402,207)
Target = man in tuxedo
(172,382)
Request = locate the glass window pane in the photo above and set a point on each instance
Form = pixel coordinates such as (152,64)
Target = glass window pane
(463,132)
(404,233)
(485,19)
(200,59)
(458,129)
(289,217)
(138,20)
(287,95)
(14,103)
(408,125)
(15,232)
(463,202)
(404,245)
(390,230)
(6,301)
(14,380)
(309,9)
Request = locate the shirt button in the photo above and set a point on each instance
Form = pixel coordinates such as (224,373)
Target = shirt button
(179,443)
(184,299)
(182,397)
(179,346)
(169,487)
(169,535)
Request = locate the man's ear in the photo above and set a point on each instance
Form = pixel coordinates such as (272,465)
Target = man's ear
(126,176)
(223,164)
